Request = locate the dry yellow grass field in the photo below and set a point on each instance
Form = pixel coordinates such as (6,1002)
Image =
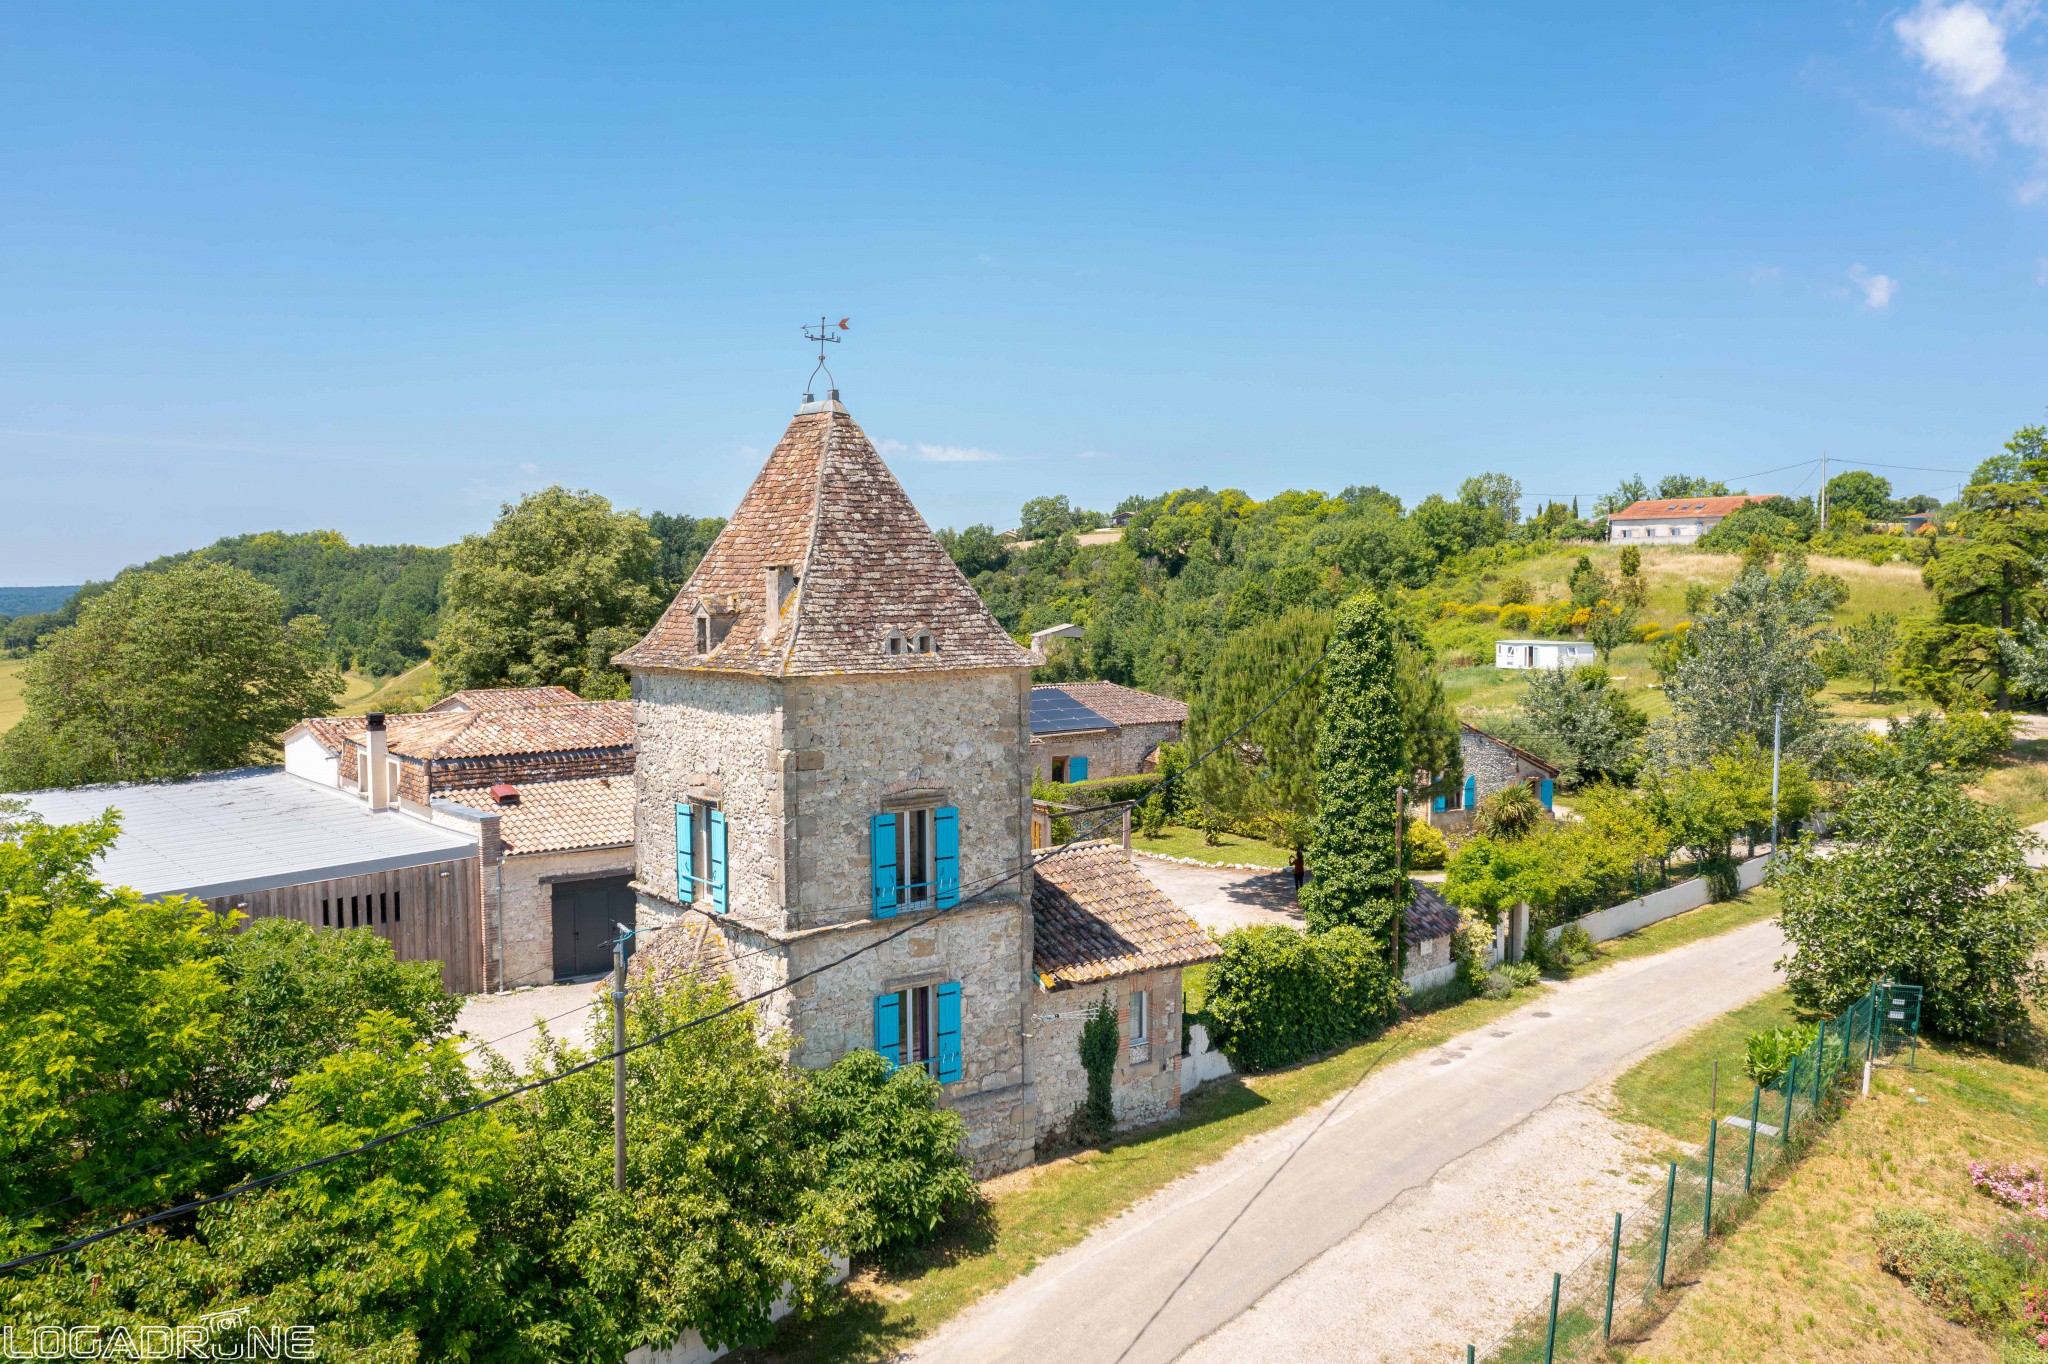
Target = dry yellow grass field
(10,693)
(1799,1280)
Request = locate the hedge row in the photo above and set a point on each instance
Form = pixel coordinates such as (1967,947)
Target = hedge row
(1099,791)
(1280,995)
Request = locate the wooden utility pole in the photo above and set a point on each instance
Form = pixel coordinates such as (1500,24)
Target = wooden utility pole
(619,1057)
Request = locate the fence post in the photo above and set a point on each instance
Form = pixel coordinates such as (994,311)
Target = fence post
(1756,1102)
(1471,1354)
(1713,1131)
(1613,1271)
(1785,1128)
(1550,1341)
(1664,1242)
(1820,1060)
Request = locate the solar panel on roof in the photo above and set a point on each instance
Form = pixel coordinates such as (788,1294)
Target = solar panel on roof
(1055,712)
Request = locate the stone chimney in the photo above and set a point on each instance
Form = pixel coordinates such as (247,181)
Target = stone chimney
(778,581)
(377,754)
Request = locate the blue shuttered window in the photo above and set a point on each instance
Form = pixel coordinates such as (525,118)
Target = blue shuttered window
(685,869)
(889,1027)
(946,855)
(715,851)
(1438,804)
(882,857)
(947,1065)
(1077,769)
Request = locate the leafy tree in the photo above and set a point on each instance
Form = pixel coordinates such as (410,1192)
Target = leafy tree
(1588,584)
(1697,598)
(110,1018)
(1267,776)
(1610,626)
(976,549)
(1497,493)
(1861,490)
(1361,749)
(1685,485)
(1754,650)
(2025,460)
(1870,648)
(681,542)
(1587,727)
(1630,491)
(1516,592)
(890,1150)
(166,674)
(1044,518)
(1634,591)
(1783,522)
(559,585)
(1929,887)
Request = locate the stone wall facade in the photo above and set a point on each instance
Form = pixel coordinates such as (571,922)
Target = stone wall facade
(1146,1087)
(1118,753)
(528,907)
(799,767)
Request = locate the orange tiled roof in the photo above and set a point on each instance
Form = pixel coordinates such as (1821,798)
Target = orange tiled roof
(560,816)
(503,698)
(1095,916)
(1122,705)
(565,728)
(826,506)
(1666,508)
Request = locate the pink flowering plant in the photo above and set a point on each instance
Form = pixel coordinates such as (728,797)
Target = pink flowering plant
(2016,1186)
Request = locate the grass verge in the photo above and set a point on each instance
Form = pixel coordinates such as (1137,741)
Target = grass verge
(1799,1278)
(1175,841)
(1671,1090)
(2018,782)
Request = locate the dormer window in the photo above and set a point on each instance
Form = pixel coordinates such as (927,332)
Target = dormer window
(712,628)
(899,644)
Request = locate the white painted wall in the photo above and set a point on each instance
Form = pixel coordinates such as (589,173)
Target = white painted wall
(1630,915)
(690,1347)
(305,756)
(1201,1064)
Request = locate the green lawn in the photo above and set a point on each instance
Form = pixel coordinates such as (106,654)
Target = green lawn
(11,707)
(1671,1089)
(1175,841)
(2019,782)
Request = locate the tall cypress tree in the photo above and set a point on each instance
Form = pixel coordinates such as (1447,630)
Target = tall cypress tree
(1360,756)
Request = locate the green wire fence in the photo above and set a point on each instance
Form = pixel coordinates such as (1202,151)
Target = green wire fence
(1615,1288)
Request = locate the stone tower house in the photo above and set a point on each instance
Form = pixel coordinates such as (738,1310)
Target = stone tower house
(833,740)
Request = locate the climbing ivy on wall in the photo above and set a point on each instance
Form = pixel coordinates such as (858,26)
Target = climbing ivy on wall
(1360,747)
(1100,1038)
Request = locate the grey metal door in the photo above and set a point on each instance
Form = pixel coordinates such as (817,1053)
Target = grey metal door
(585,914)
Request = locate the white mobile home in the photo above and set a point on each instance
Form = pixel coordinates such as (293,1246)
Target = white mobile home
(1541,653)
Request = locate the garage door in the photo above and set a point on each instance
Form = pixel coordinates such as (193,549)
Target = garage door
(585,912)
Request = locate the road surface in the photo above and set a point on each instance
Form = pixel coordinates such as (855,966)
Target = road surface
(1177,1267)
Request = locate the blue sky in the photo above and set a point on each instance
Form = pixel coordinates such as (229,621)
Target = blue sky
(381,268)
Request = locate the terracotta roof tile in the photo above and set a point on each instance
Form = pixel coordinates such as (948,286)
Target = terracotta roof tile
(1664,508)
(691,950)
(1095,916)
(503,698)
(568,727)
(1124,705)
(866,564)
(1429,914)
(560,816)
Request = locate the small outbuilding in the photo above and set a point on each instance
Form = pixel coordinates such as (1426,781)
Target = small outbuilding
(1490,764)
(1544,654)
(1084,730)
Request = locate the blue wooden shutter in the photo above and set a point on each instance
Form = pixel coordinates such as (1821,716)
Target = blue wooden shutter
(717,852)
(946,854)
(686,869)
(1077,769)
(949,1031)
(1471,792)
(1438,805)
(889,1027)
(1548,788)
(882,855)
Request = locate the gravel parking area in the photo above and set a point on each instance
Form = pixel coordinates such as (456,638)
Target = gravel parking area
(506,1021)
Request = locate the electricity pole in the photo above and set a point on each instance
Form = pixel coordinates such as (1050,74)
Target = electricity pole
(619,1057)
(1399,923)
(1821,498)
(1777,733)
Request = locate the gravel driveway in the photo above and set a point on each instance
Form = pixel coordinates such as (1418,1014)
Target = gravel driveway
(1221,899)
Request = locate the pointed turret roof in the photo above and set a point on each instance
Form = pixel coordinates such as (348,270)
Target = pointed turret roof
(866,568)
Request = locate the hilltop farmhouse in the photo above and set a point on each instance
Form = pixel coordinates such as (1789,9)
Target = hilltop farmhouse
(1672,520)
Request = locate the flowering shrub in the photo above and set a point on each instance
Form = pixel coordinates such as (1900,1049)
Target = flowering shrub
(2034,1316)
(2016,1186)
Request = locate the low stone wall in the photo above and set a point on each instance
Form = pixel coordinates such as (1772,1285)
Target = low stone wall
(1630,915)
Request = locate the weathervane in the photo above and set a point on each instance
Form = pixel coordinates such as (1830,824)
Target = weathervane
(823,335)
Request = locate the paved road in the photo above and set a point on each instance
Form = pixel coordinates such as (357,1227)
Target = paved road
(1223,899)
(1158,1279)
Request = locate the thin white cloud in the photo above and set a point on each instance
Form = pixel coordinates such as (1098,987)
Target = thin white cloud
(940,454)
(1760,275)
(1877,289)
(1980,97)
(1096,454)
